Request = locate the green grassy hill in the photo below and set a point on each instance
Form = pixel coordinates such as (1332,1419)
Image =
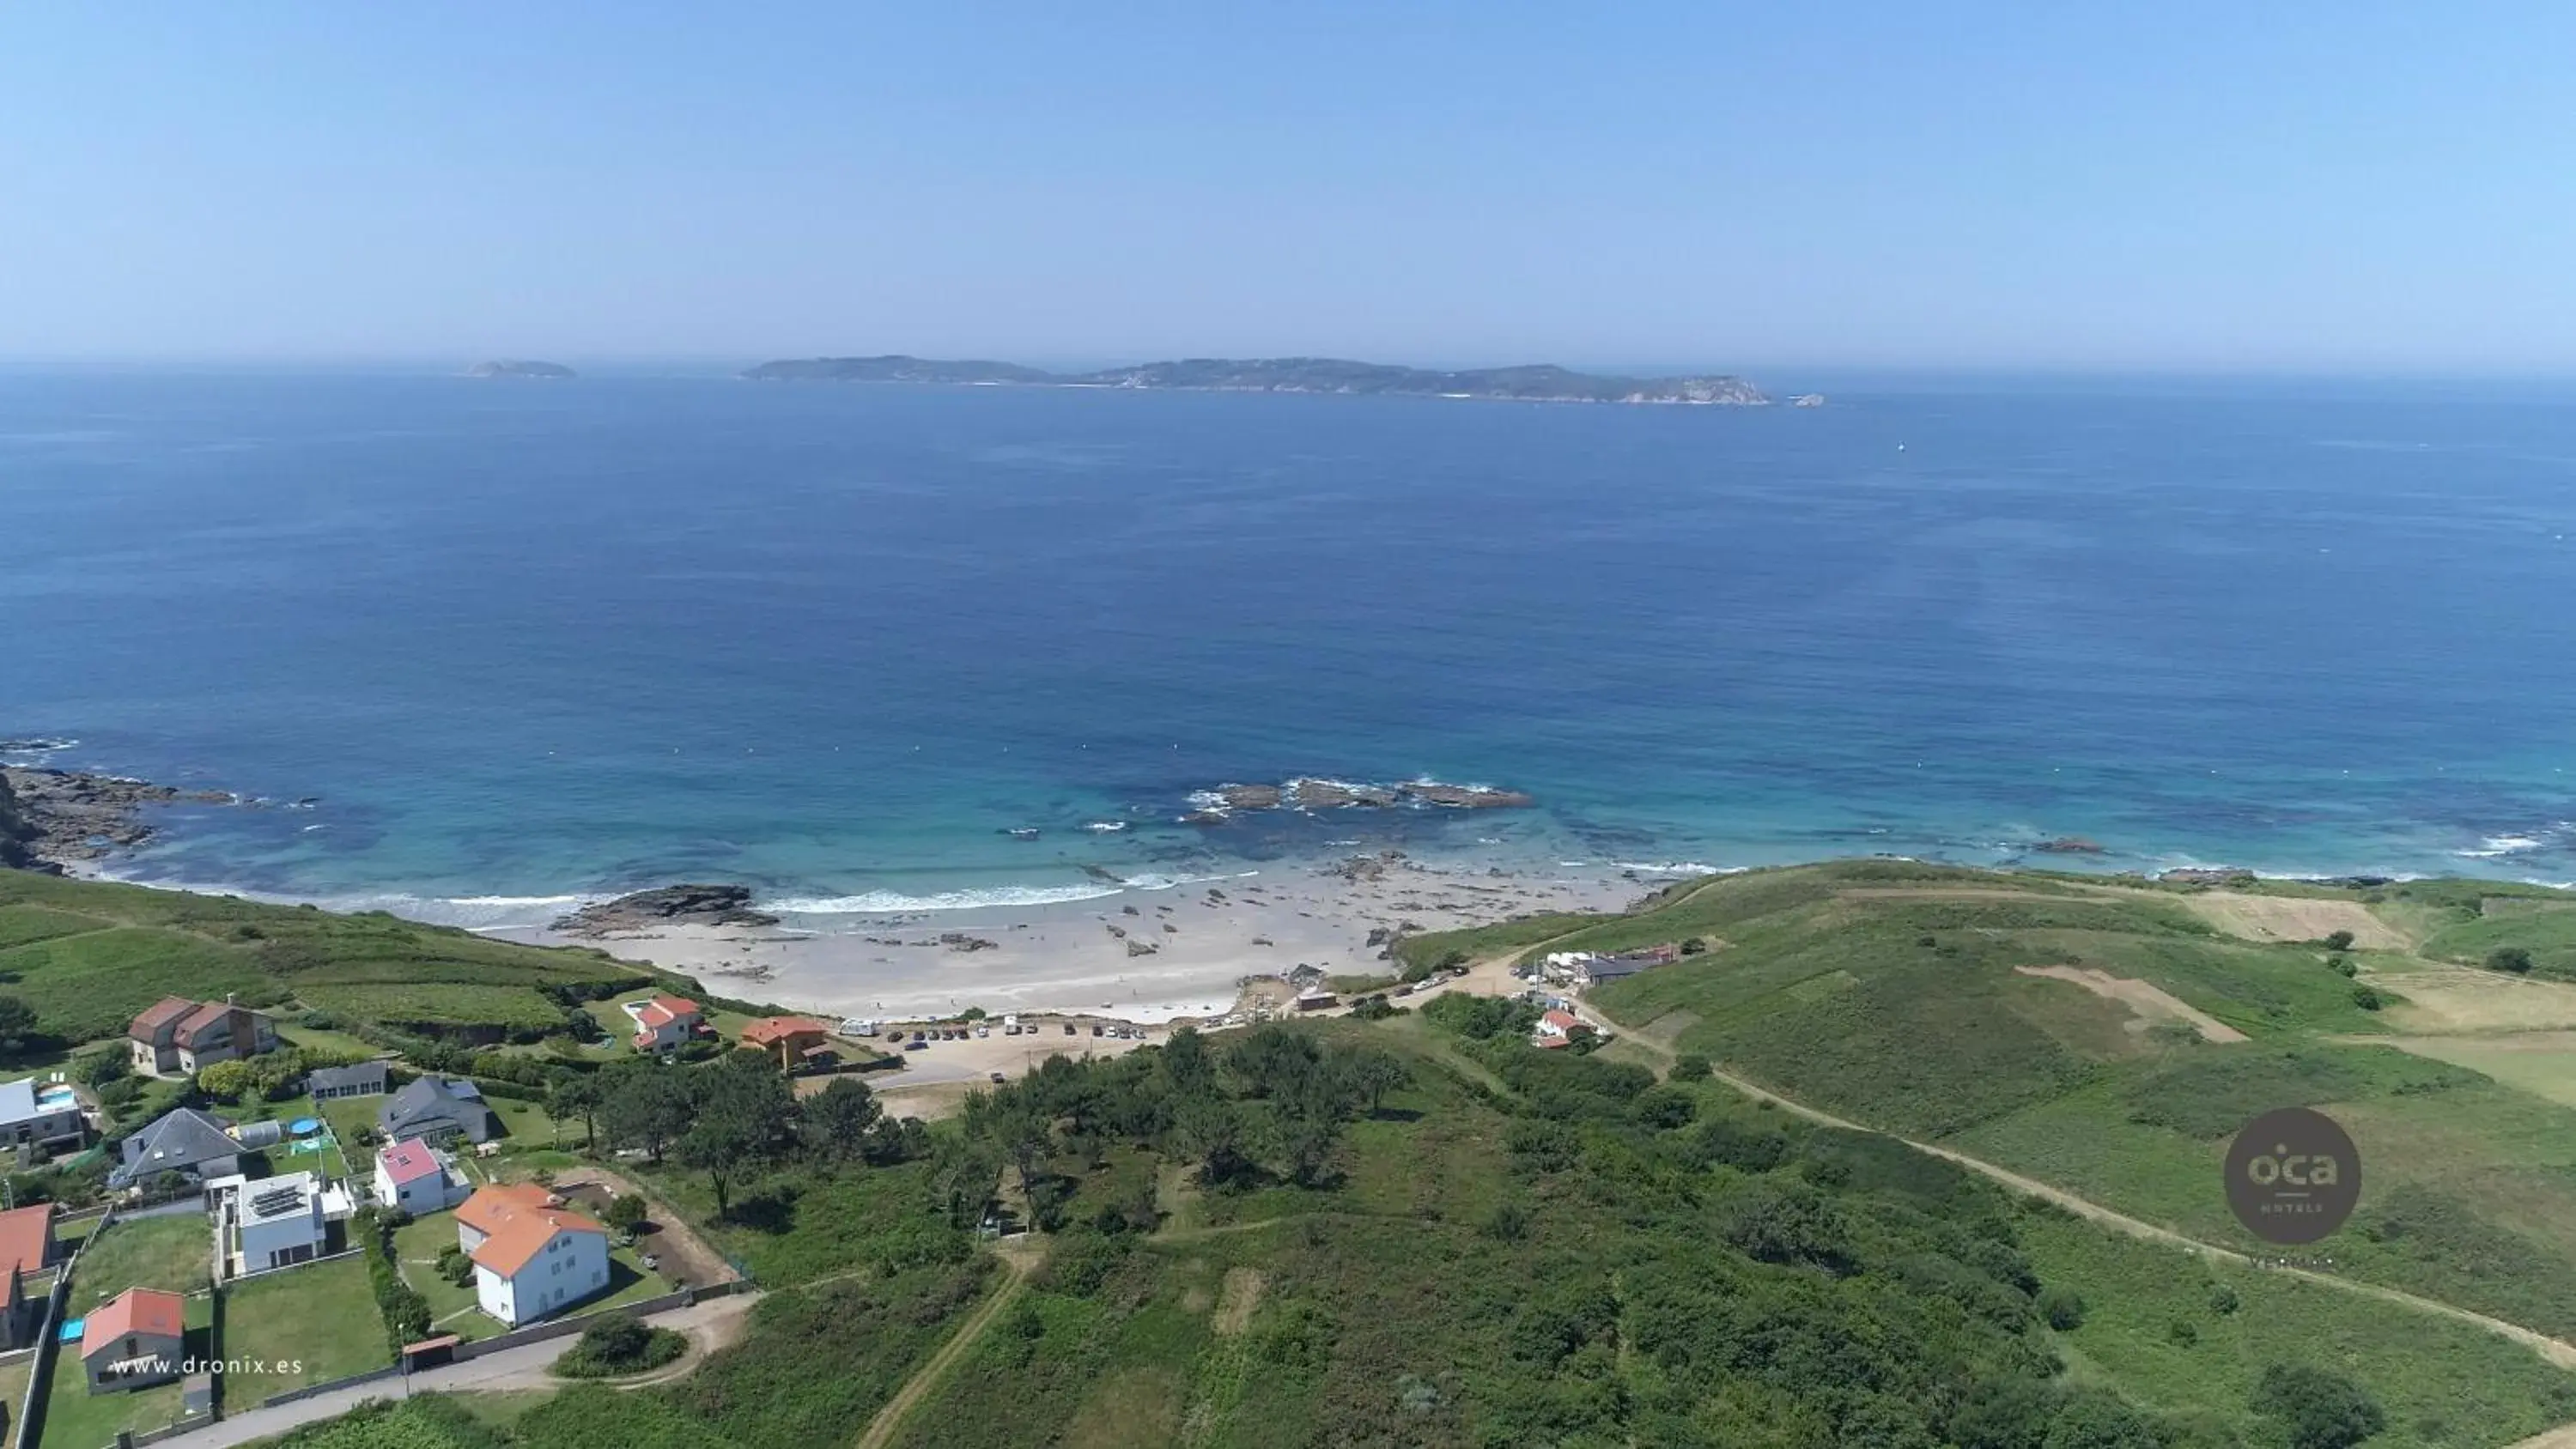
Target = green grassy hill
(1508,1247)
(88,955)
(1900,996)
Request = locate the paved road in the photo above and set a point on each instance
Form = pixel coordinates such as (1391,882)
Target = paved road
(523,1367)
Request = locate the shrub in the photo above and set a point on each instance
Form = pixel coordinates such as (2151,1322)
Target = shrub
(626,1214)
(2367,999)
(405,1312)
(455,1266)
(2342,966)
(2317,1408)
(2339,940)
(2063,1308)
(2223,1300)
(619,1343)
(1694,946)
(2515,959)
(1690,1067)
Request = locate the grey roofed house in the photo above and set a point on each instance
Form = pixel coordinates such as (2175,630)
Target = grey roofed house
(1613,968)
(366,1079)
(439,1109)
(182,1140)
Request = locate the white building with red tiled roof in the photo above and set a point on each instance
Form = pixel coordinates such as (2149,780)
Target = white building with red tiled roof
(532,1257)
(175,1036)
(664,1022)
(418,1178)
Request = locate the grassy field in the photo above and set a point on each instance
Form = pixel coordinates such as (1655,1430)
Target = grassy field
(1887,992)
(13,1388)
(174,1252)
(74,1418)
(320,1318)
(88,955)
(454,1309)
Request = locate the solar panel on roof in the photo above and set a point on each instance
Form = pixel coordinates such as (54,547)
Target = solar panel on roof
(277,1200)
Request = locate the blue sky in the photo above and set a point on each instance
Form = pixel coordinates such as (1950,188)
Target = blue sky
(2345,187)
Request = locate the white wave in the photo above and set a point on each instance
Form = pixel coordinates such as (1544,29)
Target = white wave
(2518,842)
(894,903)
(1676,867)
(1208,800)
(1106,827)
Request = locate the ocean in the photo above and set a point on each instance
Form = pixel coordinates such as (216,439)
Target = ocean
(511,643)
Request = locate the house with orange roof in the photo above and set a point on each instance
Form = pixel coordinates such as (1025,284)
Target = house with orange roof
(664,1022)
(26,1251)
(175,1036)
(532,1256)
(1555,1029)
(134,1340)
(790,1041)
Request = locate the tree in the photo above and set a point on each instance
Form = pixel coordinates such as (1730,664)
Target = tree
(2063,1308)
(576,1094)
(2367,998)
(643,1104)
(839,1118)
(17,1026)
(743,1111)
(1694,946)
(1691,1067)
(2338,940)
(626,1213)
(1377,1073)
(2318,1408)
(224,1081)
(2515,959)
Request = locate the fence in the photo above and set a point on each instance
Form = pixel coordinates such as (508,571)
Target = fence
(40,1367)
(171,1430)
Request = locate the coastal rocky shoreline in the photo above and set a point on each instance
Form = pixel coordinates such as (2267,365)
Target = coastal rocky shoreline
(51,819)
(1308,793)
(688,904)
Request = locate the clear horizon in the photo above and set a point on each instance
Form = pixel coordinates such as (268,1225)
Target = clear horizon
(2331,191)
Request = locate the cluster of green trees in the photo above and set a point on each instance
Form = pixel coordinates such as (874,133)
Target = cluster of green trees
(732,1119)
(406,1313)
(1268,1105)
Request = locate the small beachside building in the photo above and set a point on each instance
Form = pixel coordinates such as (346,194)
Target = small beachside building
(175,1036)
(532,1257)
(664,1022)
(790,1041)
(418,1178)
(135,1340)
(361,1079)
(440,1109)
(1555,1029)
(41,1114)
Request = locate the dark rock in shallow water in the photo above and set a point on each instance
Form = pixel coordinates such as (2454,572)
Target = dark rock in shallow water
(674,905)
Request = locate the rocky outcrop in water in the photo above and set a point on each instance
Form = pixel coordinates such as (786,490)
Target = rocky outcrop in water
(52,817)
(1218,804)
(672,905)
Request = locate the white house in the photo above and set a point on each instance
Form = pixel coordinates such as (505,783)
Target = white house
(532,1258)
(1555,1029)
(664,1022)
(275,1222)
(41,1112)
(418,1178)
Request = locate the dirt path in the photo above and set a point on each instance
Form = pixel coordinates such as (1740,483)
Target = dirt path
(1018,1256)
(2147,1000)
(2562,1437)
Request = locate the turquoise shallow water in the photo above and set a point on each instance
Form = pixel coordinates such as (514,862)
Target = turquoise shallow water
(526,641)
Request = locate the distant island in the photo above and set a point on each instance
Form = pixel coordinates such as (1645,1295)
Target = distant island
(511,368)
(1537,383)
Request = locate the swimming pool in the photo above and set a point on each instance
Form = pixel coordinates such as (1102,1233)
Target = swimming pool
(55,1094)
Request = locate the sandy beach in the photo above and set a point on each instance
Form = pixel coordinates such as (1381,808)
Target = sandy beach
(1141,955)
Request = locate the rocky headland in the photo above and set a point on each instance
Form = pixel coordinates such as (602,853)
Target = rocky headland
(53,818)
(515,367)
(665,906)
(1540,382)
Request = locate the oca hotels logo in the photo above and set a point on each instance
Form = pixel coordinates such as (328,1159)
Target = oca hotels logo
(2293,1176)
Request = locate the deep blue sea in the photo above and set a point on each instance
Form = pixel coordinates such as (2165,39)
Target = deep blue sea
(526,640)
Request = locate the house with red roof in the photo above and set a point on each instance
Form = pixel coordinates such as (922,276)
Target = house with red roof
(26,1252)
(532,1256)
(175,1036)
(134,1340)
(664,1022)
(418,1178)
(790,1041)
(1555,1029)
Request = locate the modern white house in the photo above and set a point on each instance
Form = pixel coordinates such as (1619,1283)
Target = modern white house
(418,1178)
(664,1022)
(41,1113)
(533,1258)
(277,1222)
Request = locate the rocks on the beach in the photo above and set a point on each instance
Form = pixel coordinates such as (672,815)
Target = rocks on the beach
(1309,793)
(960,941)
(1129,911)
(1263,941)
(68,815)
(1142,948)
(2071,845)
(2207,876)
(1170,930)
(1365,867)
(1118,931)
(672,905)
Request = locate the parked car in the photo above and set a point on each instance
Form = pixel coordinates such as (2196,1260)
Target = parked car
(916,1045)
(1068,1029)
(998,1077)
